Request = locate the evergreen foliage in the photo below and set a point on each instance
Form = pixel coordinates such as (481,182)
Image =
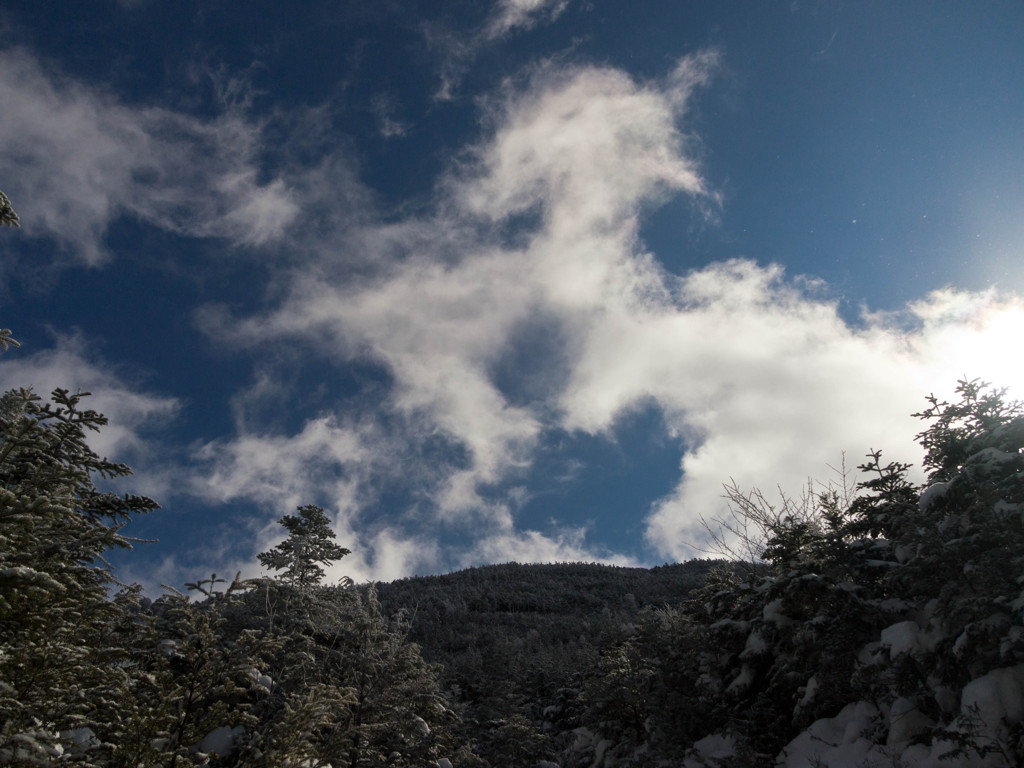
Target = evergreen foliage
(7,340)
(517,644)
(376,697)
(8,218)
(59,640)
(309,545)
(189,678)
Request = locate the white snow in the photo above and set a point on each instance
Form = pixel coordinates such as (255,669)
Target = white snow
(713,748)
(755,646)
(810,689)
(905,722)
(990,458)
(906,637)
(904,552)
(845,741)
(262,680)
(931,494)
(1014,637)
(742,680)
(837,742)
(221,740)
(420,726)
(716,745)
(167,648)
(79,739)
(773,612)
(998,696)
(869,653)
(600,749)
(30,577)
(734,624)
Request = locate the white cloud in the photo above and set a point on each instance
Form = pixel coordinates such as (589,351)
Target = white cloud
(326,464)
(384,108)
(769,386)
(528,546)
(535,237)
(691,72)
(69,365)
(76,158)
(587,148)
(282,472)
(388,555)
(522,14)
(459,49)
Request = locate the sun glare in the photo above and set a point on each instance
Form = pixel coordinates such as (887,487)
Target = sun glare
(987,347)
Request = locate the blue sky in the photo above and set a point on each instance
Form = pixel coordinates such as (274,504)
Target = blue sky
(528,280)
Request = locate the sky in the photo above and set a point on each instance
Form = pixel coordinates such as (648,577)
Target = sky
(526,280)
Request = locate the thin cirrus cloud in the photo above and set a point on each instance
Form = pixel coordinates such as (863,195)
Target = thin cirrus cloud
(278,472)
(522,14)
(458,50)
(83,159)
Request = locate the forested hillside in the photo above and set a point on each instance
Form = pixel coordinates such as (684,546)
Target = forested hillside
(876,625)
(518,644)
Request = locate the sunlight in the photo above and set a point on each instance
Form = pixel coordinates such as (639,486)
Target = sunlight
(986,345)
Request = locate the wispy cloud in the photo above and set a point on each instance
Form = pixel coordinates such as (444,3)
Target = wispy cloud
(522,14)
(77,159)
(584,150)
(385,110)
(458,50)
(564,546)
(283,472)
(136,414)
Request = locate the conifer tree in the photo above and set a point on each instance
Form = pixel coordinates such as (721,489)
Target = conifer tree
(6,340)
(191,685)
(59,652)
(310,543)
(8,218)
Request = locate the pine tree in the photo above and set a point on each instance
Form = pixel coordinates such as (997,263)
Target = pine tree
(182,679)
(309,545)
(7,340)
(59,645)
(377,702)
(8,218)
